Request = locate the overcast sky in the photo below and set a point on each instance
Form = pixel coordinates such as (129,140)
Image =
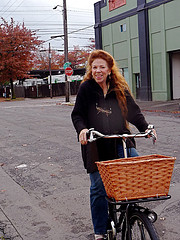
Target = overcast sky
(46,22)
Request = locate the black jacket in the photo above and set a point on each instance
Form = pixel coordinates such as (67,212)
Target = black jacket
(93,110)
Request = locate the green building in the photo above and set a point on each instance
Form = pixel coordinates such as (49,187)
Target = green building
(144,38)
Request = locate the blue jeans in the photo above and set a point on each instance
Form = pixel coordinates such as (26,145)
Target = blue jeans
(99,206)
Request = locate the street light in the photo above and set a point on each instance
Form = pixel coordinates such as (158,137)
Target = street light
(67,85)
(57,6)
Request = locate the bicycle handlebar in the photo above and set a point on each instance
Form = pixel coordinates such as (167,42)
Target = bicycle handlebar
(93,135)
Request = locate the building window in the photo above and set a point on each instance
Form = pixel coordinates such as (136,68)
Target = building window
(138,85)
(113,4)
(123,28)
(125,73)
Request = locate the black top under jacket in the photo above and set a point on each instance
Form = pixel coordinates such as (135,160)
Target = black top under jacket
(93,110)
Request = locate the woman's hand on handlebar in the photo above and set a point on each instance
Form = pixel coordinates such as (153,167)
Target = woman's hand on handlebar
(83,136)
(153,134)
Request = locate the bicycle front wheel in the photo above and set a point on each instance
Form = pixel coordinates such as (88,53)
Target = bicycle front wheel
(140,227)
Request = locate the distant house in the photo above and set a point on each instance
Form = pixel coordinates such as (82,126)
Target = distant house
(61,78)
(33,82)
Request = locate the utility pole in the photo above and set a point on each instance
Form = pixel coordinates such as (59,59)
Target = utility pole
(67,85)
(50,86)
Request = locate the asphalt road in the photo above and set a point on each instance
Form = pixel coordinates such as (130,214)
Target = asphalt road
(44,189)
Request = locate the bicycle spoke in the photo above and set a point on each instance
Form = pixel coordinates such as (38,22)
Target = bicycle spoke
(140,228)
(139,232)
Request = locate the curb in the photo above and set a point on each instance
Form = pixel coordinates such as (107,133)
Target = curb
(7,230)
(161,111)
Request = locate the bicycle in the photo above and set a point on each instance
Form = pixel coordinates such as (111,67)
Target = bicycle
(127,219)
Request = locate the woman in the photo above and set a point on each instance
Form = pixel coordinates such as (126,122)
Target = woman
(104,102)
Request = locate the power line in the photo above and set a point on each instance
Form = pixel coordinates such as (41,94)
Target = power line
(6,5)
(9,7)
(34,11)
(45,28)
(49,7)
(73,31)
(57,24)
(38,10)
(18,6)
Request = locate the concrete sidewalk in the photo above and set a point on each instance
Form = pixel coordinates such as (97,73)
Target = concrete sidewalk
(172,106)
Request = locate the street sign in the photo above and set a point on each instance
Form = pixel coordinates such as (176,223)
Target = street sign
(68,71)
(67,64)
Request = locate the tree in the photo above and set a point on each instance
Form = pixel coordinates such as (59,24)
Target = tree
(41,60)
(91,46)
(17,46)
(78,58)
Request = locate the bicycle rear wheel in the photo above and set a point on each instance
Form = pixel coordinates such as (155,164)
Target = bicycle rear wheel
(140,227)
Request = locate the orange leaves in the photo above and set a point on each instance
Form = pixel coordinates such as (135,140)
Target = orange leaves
(77,57)
(17,44)
(41,60)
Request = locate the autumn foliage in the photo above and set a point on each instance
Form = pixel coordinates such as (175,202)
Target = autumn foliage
(41,60)
(77,57)
(17,46)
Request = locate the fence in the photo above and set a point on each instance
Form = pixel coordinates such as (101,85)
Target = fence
(40,91)
(19,91)
(4,91)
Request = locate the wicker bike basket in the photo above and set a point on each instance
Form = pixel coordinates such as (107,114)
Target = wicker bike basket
(137,177)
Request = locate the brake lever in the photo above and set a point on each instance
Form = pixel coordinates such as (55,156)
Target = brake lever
(89,135)
(151,127)
(153,137)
